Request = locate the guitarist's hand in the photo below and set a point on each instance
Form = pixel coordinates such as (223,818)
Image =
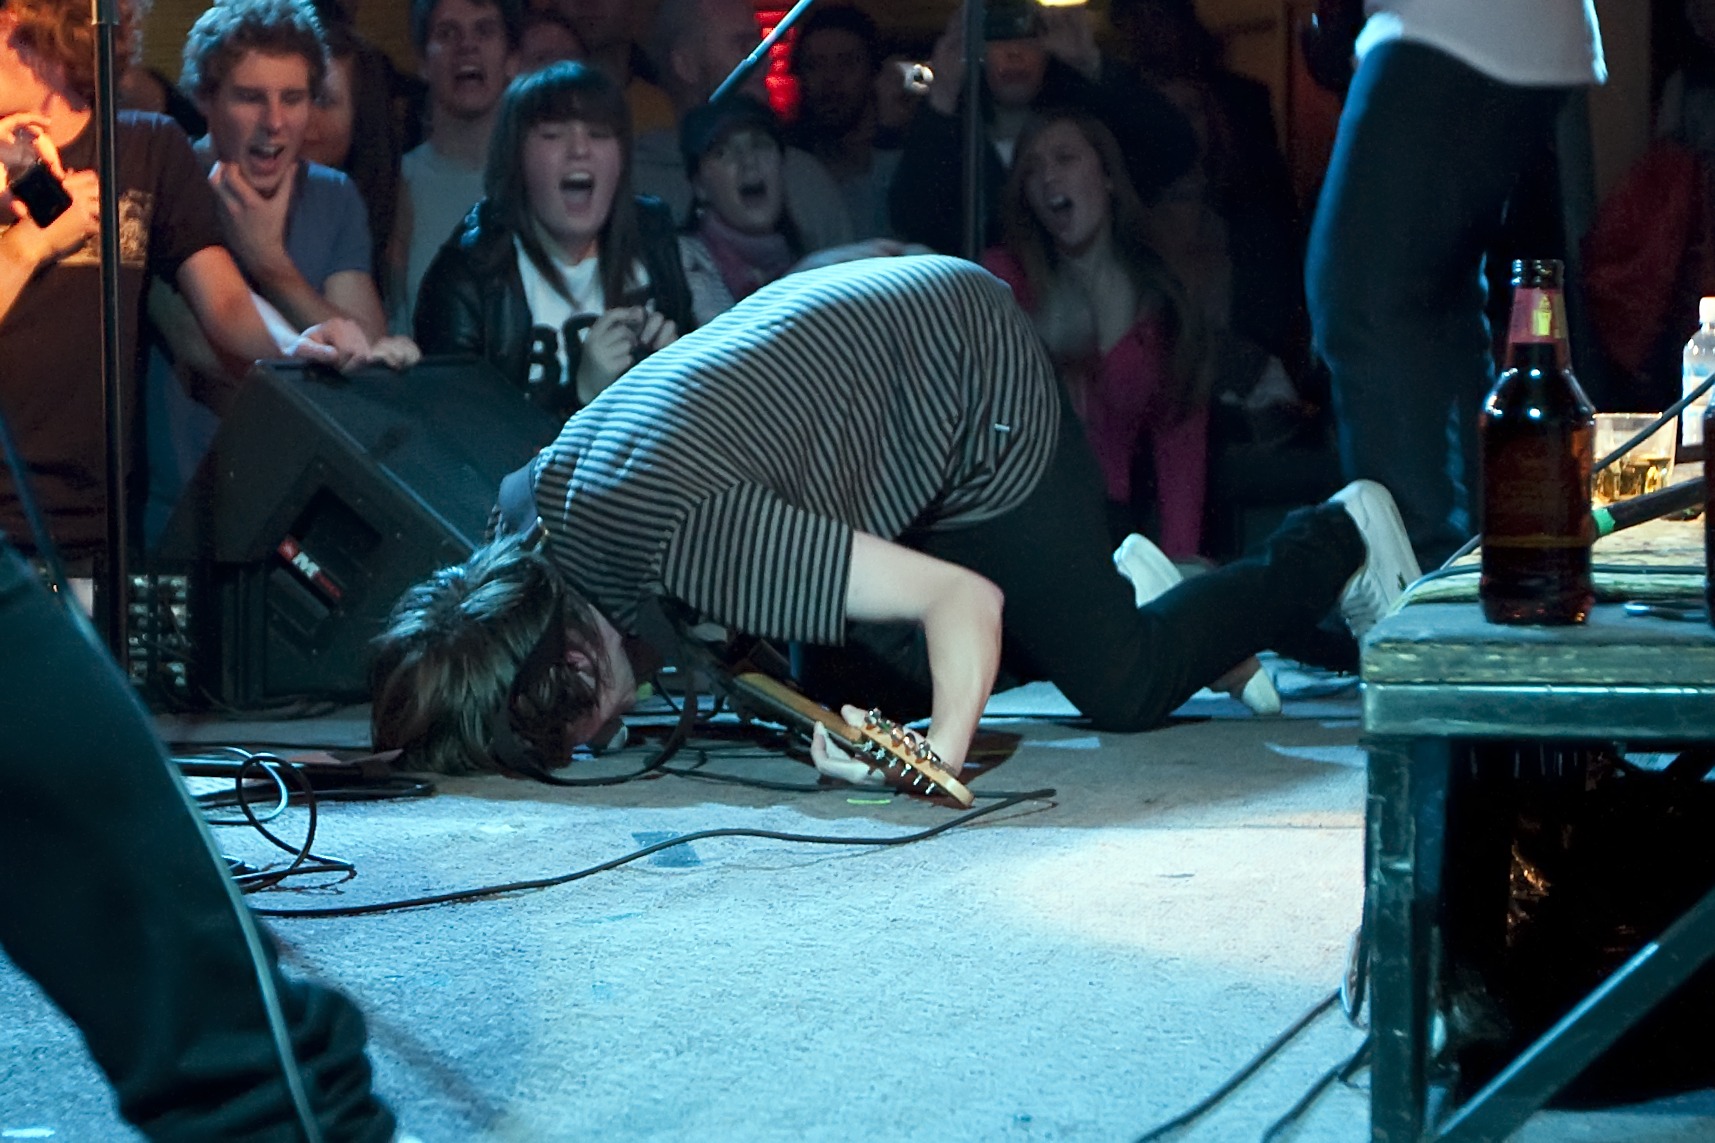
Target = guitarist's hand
(835,762)
(960,613)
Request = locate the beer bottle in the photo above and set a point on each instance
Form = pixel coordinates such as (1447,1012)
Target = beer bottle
(1537,437)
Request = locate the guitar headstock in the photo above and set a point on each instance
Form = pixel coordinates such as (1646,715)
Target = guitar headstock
(906,757)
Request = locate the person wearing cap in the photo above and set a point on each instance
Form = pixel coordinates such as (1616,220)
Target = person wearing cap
(695,44)
(560,278)
(1036,59)
(740,237)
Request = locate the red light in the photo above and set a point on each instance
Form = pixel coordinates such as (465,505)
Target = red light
(782,85)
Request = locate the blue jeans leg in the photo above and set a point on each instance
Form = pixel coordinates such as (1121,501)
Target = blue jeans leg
(1428,153)
(111,899)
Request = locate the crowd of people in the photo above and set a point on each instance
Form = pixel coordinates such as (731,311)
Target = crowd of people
(553,192)
(792,409)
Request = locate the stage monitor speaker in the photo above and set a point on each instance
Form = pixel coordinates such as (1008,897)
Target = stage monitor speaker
(322,498)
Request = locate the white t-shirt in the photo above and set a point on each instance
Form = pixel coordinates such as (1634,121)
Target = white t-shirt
(555,321)
(1531,43)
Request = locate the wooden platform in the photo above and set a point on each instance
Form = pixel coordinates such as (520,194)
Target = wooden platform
(1438,682)
(1659,560)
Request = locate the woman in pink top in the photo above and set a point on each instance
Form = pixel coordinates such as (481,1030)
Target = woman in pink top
(1119,330)
(1113,317)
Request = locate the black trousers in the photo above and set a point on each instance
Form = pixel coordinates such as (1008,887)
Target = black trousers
(112,898)
(1070,616)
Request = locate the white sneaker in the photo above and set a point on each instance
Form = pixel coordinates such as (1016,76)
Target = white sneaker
(1260,694)
(1390,566)
(1147,567)
(1151,575)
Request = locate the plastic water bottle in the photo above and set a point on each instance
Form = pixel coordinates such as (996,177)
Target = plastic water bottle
(1699,364)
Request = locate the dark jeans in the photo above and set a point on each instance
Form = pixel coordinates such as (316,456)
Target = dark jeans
(111,897)
(1428,153)
(1070,617)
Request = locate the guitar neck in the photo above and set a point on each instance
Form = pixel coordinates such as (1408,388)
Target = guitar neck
(783,700)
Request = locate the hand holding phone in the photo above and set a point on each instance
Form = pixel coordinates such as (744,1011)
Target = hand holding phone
(43,195)
(31,162)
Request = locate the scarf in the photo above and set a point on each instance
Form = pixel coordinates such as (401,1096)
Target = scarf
(746,262)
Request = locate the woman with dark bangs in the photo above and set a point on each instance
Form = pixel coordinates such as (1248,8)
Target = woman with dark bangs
(560,277)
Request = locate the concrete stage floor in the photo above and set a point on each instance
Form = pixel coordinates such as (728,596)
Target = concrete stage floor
(1080,967)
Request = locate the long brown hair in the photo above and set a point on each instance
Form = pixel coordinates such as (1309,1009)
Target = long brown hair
(557,93)
(1157,286)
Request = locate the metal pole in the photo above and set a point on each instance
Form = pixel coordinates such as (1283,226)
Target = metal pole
(735,79)
(114,576)
(976,135)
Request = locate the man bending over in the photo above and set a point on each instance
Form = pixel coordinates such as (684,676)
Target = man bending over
(878,443)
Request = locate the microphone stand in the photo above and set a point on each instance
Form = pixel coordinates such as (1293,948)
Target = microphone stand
(113,579)
(737,77)
(976,137)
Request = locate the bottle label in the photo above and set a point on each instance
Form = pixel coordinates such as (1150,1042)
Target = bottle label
(1538,316)
(1536,490)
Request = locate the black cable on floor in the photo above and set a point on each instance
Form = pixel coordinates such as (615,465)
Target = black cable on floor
(703,754)
(1342,1071)
(304,859)
(1209,1102)
(701,835)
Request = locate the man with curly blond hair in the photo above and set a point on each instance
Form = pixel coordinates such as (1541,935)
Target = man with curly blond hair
(50,281)
(297,228)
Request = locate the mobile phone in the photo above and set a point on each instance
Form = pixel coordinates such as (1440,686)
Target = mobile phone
(43,195)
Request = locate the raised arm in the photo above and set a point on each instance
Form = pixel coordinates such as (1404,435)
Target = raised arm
(960,613)
(25,247)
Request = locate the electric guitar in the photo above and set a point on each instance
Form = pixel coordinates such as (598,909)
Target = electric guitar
(748,671)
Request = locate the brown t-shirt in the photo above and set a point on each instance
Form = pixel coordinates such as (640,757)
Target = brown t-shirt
(50,340)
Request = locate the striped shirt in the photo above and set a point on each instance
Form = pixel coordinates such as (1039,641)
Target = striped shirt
(729,470)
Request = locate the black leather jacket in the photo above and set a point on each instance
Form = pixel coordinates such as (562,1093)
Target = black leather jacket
(472,300)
